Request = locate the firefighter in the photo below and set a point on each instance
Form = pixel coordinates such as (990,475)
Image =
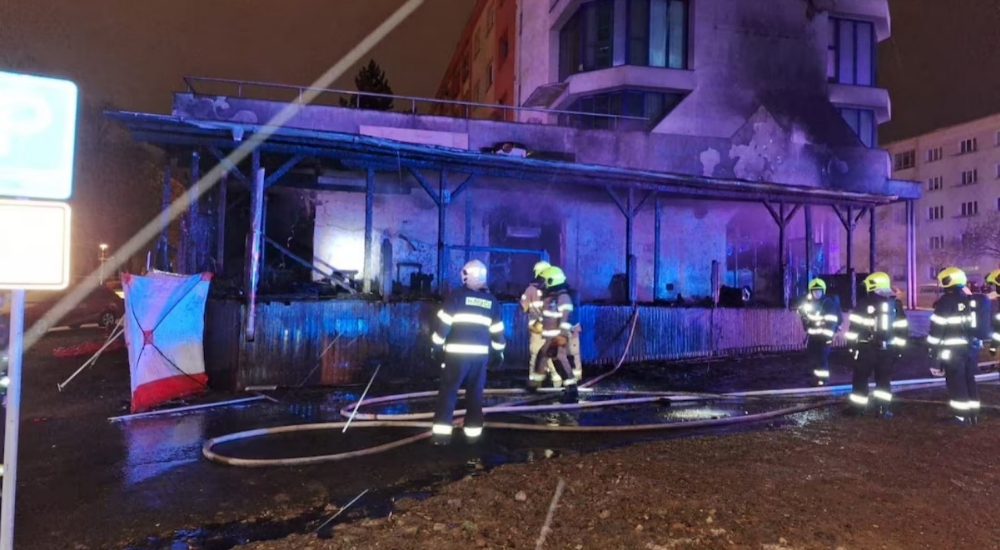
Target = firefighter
(954,342)
(470,336)
(821,319)
(557,305)
(877,337)
(531,304)
(993,280)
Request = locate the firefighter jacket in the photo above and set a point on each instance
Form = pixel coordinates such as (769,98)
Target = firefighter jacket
(820,318)
(470,323)
(954,323)
(556,310)
(879,321)
(995,333)
(531,304)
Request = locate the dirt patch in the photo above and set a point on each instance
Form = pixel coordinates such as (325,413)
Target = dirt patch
(915,481)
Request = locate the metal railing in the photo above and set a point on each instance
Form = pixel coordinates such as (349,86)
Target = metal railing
(269,91)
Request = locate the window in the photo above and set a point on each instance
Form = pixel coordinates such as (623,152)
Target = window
(933,271)
(504,49)
(998,171)
(998,204)
(937,242)
(970,176)
(935,184)
(655,35)
(967,146)
(970,208)
(935,213)
(651,106)
(851,52)
(489,75)
(934,154)
(862,121)
(904,160)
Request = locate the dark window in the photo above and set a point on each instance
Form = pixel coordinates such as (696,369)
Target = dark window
(655,35)
(862,121)
(904,160)
(650,106)
(504,49)
(851,54)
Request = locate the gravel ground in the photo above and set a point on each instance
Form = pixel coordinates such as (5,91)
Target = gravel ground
(915,481)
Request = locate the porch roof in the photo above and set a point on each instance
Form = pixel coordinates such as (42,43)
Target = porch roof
(383,154)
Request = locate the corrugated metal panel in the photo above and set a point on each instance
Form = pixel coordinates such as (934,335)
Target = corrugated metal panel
(291,338)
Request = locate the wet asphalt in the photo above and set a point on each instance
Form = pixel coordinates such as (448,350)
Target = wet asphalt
(85,482)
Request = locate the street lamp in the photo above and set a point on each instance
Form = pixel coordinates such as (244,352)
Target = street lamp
(102,257)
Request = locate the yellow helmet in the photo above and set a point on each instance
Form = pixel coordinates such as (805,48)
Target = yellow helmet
(540,267)
(553,276)
(993,278)
(817,284)
(878,281)
(952,277)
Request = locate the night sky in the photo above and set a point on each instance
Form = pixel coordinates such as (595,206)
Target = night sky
(942,65)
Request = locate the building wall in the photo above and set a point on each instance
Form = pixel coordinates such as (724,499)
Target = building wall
(591,245)
(937,161)
(479,71)
(738,54)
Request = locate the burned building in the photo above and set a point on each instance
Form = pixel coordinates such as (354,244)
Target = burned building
(649,178)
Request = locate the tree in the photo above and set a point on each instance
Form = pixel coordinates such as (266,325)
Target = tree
(370,79)
(982,239)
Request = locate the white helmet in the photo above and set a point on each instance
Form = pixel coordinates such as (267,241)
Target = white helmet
(474,275)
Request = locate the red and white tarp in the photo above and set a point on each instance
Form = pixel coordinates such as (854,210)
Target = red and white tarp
(164,330)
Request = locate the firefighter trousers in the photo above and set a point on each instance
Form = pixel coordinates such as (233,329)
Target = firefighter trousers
(873,359)
(960,378)
(818,351)
(574,353)
(561,361)
(459,370)
(535,343)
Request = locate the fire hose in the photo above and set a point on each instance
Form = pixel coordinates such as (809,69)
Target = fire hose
(420,420)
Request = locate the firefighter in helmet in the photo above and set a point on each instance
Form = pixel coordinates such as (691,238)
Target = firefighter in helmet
(993,292)
(821,320)
(531,304)
(954,342)
(556,308)
(877,336)
(469,336)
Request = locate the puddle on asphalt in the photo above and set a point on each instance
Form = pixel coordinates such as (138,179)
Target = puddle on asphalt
(517,448)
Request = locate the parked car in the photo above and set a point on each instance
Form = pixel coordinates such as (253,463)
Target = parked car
(102,307)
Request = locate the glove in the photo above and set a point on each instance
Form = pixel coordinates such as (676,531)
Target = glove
(496,359)
(938,373)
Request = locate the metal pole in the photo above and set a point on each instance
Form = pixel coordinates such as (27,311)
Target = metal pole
(369,215)
(13,420)
(442,211)
(253,251)
(629,223)
(911,255)
(220,236)
(871,239)
(850,238)
(809,242)
(165,222)
(657,221)
(468,224)
(782,261)
(194,237)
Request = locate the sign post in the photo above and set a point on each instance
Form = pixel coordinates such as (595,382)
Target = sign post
(37,147)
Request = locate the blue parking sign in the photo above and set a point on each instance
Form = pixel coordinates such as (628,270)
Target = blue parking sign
(37,136)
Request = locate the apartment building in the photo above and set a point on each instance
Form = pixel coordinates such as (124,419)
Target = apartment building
(669,64)
(959,168)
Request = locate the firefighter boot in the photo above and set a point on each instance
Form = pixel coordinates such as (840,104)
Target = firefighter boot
(570,395)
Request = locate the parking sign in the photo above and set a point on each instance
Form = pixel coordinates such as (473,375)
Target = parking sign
(37,136)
